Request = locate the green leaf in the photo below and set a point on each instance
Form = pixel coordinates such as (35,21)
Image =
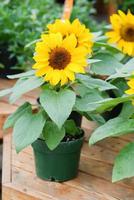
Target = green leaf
(25,86)
(81,90)
(95,117)
(90,61)
(27,129)
(114,127)
(127,110)
(58,105)
(10,121)
(125,71)
(129,66)
(53,135)
(94,83)
(98,105)
(87,102)
(21,75)
(107,66)
(71,128)
(122,86)
(5,92)
(124,163)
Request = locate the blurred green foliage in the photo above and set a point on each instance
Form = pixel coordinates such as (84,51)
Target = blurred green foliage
(125,5)
(22,22)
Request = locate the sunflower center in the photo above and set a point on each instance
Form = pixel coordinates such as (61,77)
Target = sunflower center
(127,33)
(59,58)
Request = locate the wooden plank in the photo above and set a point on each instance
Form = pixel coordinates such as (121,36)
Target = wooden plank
(6,164)
(6,83)
(57,190)
(6,109)
(17,192)
(102,186)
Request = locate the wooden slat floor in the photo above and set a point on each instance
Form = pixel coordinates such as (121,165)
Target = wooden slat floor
(93,182)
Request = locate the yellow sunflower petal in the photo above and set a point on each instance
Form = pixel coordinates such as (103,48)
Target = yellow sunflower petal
(52,40)
(128,48)
(70,42)
(49,75)
(55,78)
(129,91)
(79,51)
(131,83)
(70,75)
(64,78)
(42,71)
(76,68)
(39,58)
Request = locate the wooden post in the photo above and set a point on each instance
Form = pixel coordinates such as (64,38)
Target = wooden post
(67,9)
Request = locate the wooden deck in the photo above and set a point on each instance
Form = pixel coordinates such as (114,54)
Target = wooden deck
(19,181)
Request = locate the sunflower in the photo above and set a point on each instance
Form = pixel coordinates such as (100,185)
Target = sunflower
(122,32)
(83,35)
(130,83)
(58,58)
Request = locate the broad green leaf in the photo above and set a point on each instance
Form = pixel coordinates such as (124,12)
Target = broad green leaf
(113,128)
(24,74)
(58,105)
(129,66)
(118,75)
(5,92)
(122,86)
(107,66)
(98,105)
(27,129)
(126,71)
(90,61)
(10,121)
(127,110)
(87,102)
(124,163)
(81,90)
(71,128)
(94,83)
(53,135)
(25,86)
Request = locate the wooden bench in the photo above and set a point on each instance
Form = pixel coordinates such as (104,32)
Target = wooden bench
(93,182)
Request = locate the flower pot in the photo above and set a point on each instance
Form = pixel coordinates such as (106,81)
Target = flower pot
(58,165)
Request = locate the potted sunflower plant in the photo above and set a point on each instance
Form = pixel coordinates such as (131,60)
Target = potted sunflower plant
(50,128)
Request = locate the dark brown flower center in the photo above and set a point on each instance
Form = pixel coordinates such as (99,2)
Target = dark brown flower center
(59,58)
(127,33)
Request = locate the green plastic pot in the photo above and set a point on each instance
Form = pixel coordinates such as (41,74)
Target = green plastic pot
(58,165)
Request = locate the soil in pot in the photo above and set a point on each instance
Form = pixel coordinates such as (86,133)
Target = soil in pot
(62,163)
(7,62)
